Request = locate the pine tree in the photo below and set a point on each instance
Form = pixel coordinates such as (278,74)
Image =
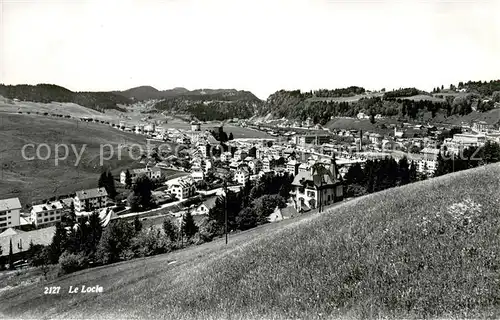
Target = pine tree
(58,243)
(11,256)
(169,230)
(137,224)
(111,189)
(102,180)
(404,171)
(189,227)
(128,179)
(441,166)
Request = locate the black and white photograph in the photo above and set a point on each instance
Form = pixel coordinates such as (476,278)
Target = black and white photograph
(249,159)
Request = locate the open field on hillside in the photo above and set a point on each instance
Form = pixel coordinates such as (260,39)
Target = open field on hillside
(39,179)
(421,97)
(345,99)
(427,250)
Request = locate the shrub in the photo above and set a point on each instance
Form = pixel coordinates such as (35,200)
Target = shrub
(69,262)
(151,242)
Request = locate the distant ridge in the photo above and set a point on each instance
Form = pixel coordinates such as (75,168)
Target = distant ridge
(149,92)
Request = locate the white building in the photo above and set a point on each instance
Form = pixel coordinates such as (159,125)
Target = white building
(183,188)
(10,213)
(151,173)
(91,199)
(197,175)
(44,215)
(242,176)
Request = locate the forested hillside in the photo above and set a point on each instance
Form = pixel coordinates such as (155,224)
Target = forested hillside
(407,103)
(46,93)
(208,105)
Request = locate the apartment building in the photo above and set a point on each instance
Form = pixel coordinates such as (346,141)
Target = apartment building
(10,213)
(91,199)
(48,214)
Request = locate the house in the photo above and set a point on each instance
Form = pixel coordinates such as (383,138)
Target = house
(481,126)
(312,188)
(151,173)
(204,149)
(255,165)
(280,214)
(10,213)
(205,206)
(375,138)
(225,156)
(197,175)
(183,189)
(44,215)
(266,164)
(242,176)
(468,140)
(292,166)
(91,199)
(362,115)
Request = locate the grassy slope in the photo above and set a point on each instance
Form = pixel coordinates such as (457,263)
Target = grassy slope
(41,179)
(398,253)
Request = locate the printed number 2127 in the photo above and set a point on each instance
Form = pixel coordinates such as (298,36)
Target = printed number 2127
(52,290)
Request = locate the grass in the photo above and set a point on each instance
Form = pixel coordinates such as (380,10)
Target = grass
(39,179)
(427,250)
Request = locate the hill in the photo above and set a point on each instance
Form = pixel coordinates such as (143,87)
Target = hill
(42,179)
(47,93)
(426,250)
(149,93)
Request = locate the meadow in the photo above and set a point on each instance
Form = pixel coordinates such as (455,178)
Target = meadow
(426,250)
(40,179)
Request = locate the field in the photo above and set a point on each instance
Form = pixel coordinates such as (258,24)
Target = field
(346,99)
(427,250)
(40,179)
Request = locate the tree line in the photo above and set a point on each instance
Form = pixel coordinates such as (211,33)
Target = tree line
(380,174)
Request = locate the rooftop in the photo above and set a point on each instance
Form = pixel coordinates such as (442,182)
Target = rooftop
(91,193)
(10,204)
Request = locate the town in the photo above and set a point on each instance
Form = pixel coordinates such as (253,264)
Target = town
(211,162)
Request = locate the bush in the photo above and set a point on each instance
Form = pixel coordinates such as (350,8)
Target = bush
(69,262)
(151,242)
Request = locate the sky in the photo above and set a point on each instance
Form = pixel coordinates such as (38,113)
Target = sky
(256,45)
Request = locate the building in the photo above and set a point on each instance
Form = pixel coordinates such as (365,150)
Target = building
(375,138)
(10,213)
(225,156)
(197,175)
(151,173)
(469,140)
(317,139)
(481,126)
(205,206)
(183,189)
(44,215)
(91,199)
(266,164)
(195,126)
(292,166)
(312,188)
(21,240)
(204,149)
(242,176)
(255,165)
